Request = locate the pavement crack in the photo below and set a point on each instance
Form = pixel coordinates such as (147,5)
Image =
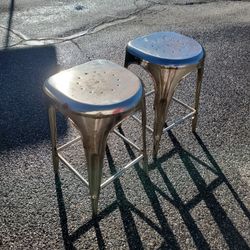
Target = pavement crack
(94,29)
(193,3)
(16,33)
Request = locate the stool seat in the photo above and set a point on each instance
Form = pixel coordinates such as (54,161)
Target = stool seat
(97,88)
(166,48)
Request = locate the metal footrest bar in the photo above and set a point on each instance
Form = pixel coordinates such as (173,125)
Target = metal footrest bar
(127,140)
(139,121)
(119,173)
(176,122)
(174,99)
(109,180)
(113,177)
(150,92)
(73,170)
(179,121)
(183,104)
(68,143)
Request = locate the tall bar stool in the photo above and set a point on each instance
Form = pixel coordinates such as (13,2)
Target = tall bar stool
(96,96)
(168,57)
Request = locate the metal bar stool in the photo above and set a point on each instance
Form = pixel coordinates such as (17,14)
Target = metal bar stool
(168,57)
(96,96)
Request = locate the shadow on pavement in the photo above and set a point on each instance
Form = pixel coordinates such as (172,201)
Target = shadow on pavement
(23,111)
(231,235)
(11,13)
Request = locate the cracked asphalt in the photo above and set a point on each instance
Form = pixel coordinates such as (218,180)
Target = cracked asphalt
(196,195)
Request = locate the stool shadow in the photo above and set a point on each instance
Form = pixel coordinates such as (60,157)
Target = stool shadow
(23,111)
(227,229)
(70,239)
(127,209)
(94,222)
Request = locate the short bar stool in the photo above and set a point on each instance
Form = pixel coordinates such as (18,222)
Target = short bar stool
(168,57)
(96,96)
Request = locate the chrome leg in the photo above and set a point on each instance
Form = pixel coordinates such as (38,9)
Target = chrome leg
(95,164)
(197,95)
(166,81)
(144,143)
(53,134)
(94,134)
(160,109)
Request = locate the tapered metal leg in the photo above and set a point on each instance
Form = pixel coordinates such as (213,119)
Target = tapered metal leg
(94,134)
(160,111)
(166,81)
(197,95)
(53,134)
(95,164)
(144,143)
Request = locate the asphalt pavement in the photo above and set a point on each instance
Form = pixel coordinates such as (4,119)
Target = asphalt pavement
(196,195)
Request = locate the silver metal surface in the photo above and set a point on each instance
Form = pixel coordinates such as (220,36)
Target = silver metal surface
(119,173)
(139,121)
(200,72)
(182,119)
(127,140)
(68,144)
(96,96)
(166,77)
(183,104)
(97,88)
(73,170)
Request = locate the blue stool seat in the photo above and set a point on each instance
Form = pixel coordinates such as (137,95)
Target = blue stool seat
(166,48)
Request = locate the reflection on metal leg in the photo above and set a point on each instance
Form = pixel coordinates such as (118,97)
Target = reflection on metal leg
(53,134)
(166,81)
(95,163)
(94,134)
(144,146)
(197,95)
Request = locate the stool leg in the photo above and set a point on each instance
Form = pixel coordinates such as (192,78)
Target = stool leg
(166,81)
(129,59)
(95,164)
(144,120)
(160,110)
(94,134)
(53,135)
(197,95)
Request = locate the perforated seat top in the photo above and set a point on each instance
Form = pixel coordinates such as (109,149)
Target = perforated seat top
(98,87)
(166,48)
